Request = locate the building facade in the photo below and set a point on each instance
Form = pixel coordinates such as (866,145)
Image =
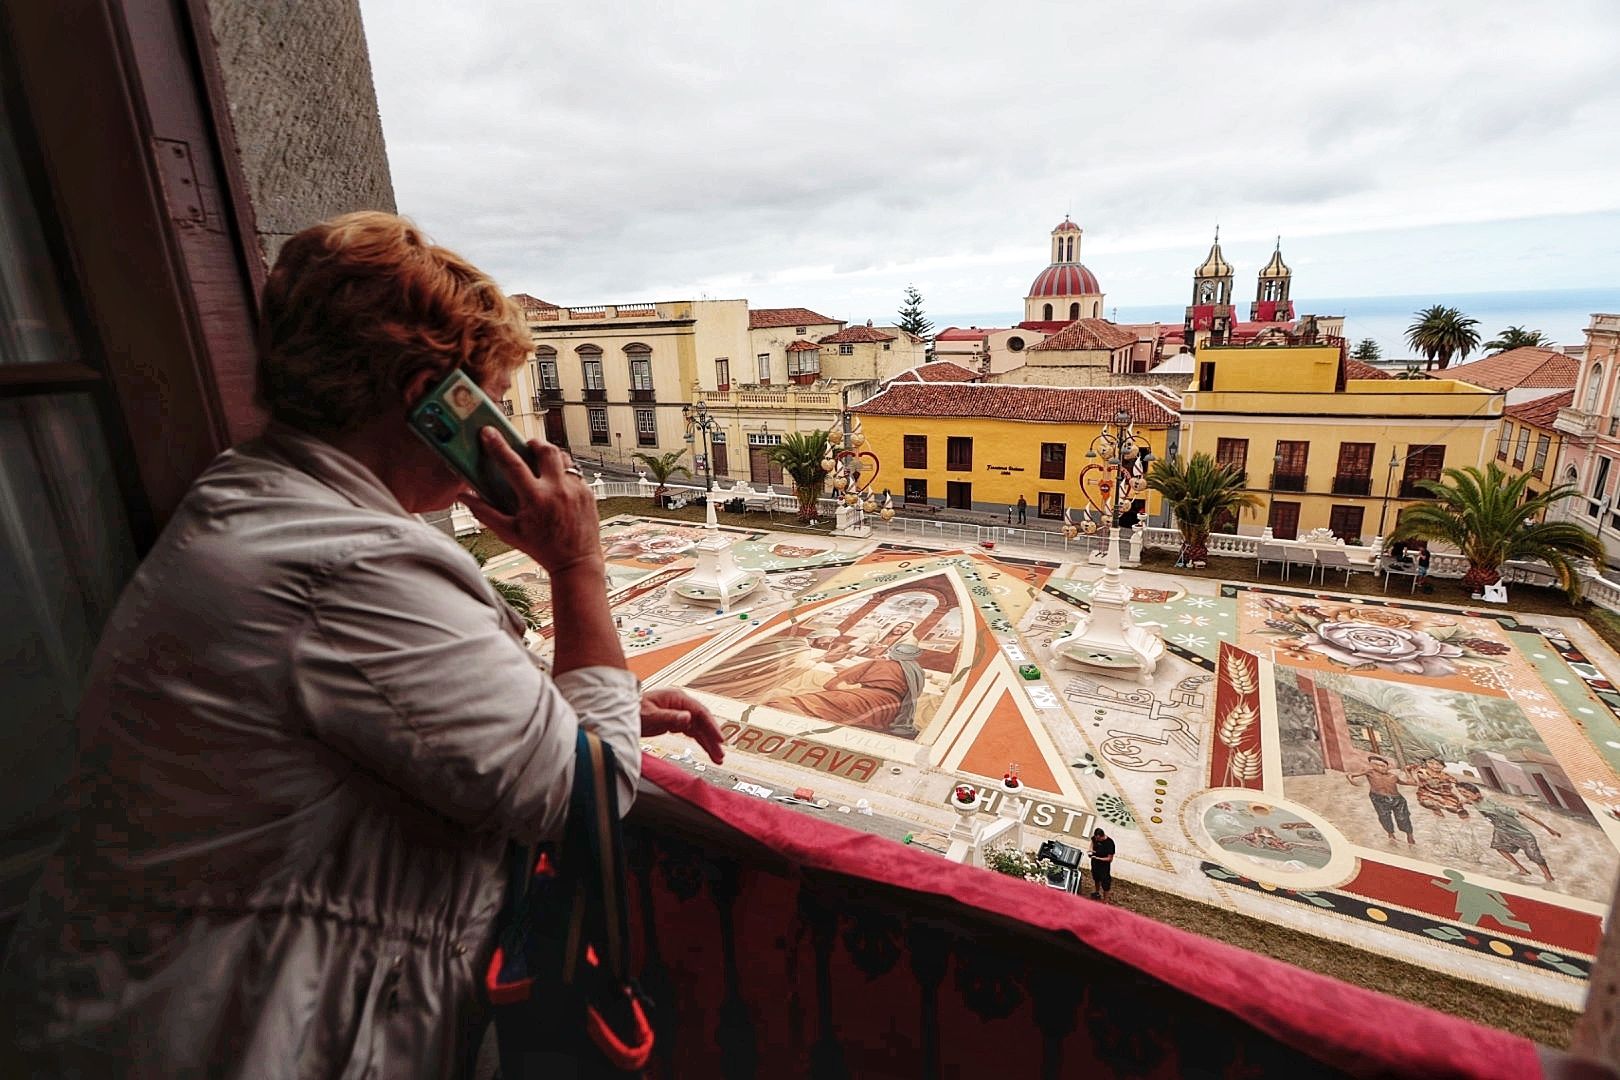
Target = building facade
(1324,451)
(1591,425)
(1530,442)
(980,446)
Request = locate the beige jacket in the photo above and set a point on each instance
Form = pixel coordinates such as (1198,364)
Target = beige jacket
(310,729)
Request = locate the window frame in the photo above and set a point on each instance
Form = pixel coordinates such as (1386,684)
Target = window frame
(959,494)
(914,451)
(646,427)
(955,459)
(1054,463)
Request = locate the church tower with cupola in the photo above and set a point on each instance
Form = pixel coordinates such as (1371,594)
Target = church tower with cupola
(1065,290)
(1209,316)
(1271,302)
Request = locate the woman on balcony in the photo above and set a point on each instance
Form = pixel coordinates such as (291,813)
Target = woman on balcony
(312,728)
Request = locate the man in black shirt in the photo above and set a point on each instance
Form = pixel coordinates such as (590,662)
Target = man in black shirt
(1102,865)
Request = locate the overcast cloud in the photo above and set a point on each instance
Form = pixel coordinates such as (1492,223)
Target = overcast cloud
(827,154)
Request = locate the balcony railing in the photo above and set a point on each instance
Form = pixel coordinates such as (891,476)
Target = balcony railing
(789,397)
(547,395)
(1288,481)
(507,407)
(595,394)
(774,942)
(641,396)
(1411,490)
(1352,485)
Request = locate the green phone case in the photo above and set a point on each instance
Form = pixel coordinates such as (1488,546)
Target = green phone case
(449,418)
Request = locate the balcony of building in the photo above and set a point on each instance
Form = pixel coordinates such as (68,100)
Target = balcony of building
(610,312)
(776,944)
(646,396)
(547,396)
(1352,485)
(595,393)
(769,942)
(1282,481)
(1577,422)
(766,397)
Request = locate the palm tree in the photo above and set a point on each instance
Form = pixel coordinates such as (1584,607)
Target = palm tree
(1442,332)
(1516,337)
(516,596)
(1199,491)
(800,454)
(1486,515)
(662,467)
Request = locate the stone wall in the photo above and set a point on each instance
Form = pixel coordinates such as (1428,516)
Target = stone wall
(298,79)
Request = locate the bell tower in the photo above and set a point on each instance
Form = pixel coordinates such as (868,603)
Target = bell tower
(1271,302)
(1209,316)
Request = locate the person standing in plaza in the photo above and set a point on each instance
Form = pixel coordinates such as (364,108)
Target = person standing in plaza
(1023,510)
(1102,865)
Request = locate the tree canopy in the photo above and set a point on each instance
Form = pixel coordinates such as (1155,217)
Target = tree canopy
(1367,350)
(1199,492)
(912,319)
(1490,517)
(1516,337)
(1439,333)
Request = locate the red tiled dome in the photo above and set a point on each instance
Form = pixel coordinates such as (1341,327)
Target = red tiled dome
(1065,279)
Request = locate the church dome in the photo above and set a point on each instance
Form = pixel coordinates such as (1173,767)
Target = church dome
(1065,279)
(1276,268)
(1066,226)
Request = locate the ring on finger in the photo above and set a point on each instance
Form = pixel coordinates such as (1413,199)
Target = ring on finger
(574,470)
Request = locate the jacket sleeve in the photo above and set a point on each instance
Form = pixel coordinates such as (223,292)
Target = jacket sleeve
(406,667)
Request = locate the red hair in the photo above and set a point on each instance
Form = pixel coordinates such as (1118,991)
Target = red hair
(357,306)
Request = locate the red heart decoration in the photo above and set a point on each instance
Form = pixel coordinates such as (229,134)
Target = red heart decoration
(868,474)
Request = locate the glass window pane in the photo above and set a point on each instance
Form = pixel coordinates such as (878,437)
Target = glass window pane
(65,552)
(33,325)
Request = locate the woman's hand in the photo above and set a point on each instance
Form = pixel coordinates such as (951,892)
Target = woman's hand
(670,709)
(555,522)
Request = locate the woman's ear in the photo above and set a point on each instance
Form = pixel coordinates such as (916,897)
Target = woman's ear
(418,385)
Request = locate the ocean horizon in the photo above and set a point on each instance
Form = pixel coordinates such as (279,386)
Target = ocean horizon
(1561,314)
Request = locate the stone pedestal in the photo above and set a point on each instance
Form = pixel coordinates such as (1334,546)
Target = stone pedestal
(716,580)
(1106,639)
(850,521)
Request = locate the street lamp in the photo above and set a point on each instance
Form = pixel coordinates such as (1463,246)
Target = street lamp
(698,419)
(1389,483)
(1271,489)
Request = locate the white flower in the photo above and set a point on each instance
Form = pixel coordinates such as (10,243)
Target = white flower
(1199,601)
(1192,620)
(1190,641)
(1600,788)
(1409,651)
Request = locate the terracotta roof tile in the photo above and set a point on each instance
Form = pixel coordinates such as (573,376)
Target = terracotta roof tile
(766,318)
(1542,411)
(1360,369)
(999,401)
(1527,368)
(858,334)
(938,371)
(1087,334)
(803,345)
(532,303)
(967,333)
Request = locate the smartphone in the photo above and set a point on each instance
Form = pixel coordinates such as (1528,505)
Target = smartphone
(449,418)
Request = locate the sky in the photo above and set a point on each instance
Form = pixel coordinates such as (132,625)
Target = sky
(826,156)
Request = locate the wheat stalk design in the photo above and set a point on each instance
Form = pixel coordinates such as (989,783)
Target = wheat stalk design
(1236,725)
(1239,675)
(1245,764)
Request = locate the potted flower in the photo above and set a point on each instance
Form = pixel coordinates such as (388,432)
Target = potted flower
(965,797)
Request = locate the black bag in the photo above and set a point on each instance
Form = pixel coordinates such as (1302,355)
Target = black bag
(558,985)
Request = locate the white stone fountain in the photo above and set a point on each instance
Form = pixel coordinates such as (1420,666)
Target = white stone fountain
(716,580)
(1106,639)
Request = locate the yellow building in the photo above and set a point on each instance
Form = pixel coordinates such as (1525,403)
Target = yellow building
(1529,443)
(977,446)
(611,381)
(1324,442)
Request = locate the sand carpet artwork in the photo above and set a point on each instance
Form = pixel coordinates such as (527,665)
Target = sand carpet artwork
(1432,784)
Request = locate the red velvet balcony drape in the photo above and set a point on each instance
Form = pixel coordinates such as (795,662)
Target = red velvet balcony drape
(775,944)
